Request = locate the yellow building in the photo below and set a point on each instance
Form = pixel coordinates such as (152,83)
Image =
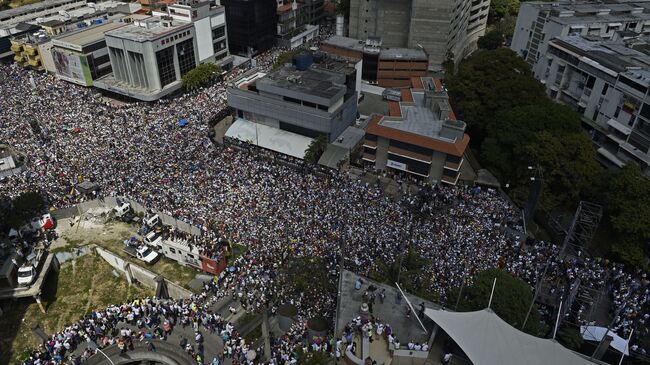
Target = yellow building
(26,49)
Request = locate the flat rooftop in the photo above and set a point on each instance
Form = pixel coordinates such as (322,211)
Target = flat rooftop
(147,29)
(411,54)
(25,9)
(345,42)
(87,35)
(309,81)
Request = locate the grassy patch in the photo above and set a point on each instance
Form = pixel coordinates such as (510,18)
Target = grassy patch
(168,268)
(78,289)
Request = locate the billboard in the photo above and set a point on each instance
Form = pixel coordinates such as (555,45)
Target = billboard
(72,67)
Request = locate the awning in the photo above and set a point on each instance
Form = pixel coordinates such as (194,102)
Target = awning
(274,139)
(183,122)
(595,333)
(489,340)
(619,126)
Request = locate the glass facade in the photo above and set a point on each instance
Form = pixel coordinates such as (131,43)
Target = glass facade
(185,53)
(251,25)
(165,61)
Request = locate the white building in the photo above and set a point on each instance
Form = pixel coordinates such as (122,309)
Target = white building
(607,82)
(539,22)
(150,56)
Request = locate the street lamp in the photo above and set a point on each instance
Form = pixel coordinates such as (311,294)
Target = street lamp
(93,346)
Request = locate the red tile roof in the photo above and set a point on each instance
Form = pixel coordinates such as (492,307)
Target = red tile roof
(416,83)
(393,109)
(455,149)
(407,97)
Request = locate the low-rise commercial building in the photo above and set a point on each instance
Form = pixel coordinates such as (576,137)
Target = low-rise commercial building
(420,137)
(81,57)
(539,22)
(291,30)
(607,82)
(150,56)
(307,99)
(388,67)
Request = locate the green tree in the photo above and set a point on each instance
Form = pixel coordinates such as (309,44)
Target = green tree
(343,8)
(487,82)
(501,8)
(502,150)
(511,300)
(569,165)
(201,75)
(316,149)
(24,207)
(491,40)
(283,58)
(570,337)
(627,208)
(506,25)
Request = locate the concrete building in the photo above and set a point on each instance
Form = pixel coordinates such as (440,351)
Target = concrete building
(388,67)
(539,22)
(443,28)
(420,137)
(82,56)
(313,10)
(11,18)
(32,48)
(308,99)
(291,30)
(607,82)
(251,25)
(209,23)
(149,56)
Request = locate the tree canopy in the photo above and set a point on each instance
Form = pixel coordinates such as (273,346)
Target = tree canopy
(626,197)
(501,8)
(511,300)
(17,211)
(490,81)
(491,40)
(201,75)
(316,149)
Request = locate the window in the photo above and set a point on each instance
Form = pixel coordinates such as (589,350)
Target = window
(165,61)
(219,32)
(172,250)
(185,53)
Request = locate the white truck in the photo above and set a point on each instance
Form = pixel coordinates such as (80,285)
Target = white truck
(123,212)
(153,239)
(28,271)
(152,221)
(143,253)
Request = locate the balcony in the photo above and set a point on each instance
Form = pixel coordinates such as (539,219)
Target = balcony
(370,144)
(450,180)
(368,157)
(454,166)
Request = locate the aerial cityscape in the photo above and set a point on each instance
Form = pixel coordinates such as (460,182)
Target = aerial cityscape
(324,182)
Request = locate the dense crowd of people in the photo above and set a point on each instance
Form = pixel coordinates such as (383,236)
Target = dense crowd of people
(139,151)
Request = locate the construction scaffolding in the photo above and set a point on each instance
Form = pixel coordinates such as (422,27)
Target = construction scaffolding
(582,230)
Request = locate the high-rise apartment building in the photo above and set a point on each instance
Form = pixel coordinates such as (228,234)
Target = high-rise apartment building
(251,25)
(539,22)
(443,28)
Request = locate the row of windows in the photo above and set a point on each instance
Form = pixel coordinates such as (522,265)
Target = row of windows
(175,37)
(411,147)
(411,165)
(165,61)
(219,32)
(305,103)
(185,53)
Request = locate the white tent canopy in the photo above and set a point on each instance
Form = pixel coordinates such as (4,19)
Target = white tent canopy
(489,340)
(274,139)
(596,333)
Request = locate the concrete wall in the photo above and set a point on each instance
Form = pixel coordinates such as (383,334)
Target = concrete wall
(111,201)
